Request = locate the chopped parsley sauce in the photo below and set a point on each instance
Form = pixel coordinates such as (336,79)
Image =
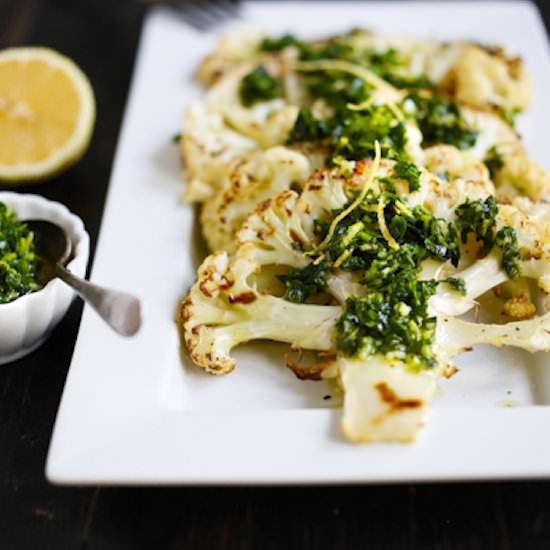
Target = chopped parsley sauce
(259,85)
(18,261)
(392,318)
(350,133)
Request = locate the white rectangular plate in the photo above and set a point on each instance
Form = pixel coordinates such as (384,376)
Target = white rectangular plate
(135,411)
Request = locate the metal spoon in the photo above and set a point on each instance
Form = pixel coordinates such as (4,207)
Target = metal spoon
(121,311)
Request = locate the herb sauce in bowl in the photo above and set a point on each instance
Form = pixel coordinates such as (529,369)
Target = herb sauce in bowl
(18,260)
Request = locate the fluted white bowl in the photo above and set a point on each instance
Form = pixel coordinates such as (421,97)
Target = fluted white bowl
(26,322)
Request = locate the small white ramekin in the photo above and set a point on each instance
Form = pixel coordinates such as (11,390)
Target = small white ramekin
(26,322)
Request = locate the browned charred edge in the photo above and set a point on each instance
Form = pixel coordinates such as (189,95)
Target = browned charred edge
(243,298)
(327,353)
(514,67)
(361,166)
(504,199)
(393,400)
(533,254)
(226,284)
(295,237)
(263,206)
(204,289)
(312,372)
(450,371)
(491,49)
(184,313)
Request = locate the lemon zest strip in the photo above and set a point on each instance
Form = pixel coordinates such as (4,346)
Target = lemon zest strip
(366,186)
(393,244)
(344,256)
(361,72)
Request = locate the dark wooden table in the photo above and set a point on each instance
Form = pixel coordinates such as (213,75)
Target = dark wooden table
(101,35)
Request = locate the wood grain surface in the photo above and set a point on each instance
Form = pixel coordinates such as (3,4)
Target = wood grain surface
(101,35)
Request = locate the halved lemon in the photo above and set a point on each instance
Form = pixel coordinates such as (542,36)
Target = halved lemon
(47,113)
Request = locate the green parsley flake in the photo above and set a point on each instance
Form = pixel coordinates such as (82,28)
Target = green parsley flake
(278,44)
(478,217)
(494,161)
(507,241)
(301,284)
(259,85)
(410,172)
(351,135)
(393,322)
(440,121)
(458,283)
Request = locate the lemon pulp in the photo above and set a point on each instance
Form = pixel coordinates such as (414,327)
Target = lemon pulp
(47,113)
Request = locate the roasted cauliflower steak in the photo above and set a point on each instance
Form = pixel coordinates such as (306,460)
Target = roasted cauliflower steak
(356,211)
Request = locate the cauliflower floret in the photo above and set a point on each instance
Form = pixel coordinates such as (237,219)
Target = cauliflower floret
(521,174)
(534,244)
(222,308)
(518,172)
(537,211)
(233,49)
(483,78)
(533,239)
(516,298)
(519,307)
(221,130)
(262,175)
(225,309)
(467,177)
(328,190)
(208,147)
(448,162)
(266,122)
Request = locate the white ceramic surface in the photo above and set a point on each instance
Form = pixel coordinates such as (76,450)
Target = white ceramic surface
(26,322)
(136,411)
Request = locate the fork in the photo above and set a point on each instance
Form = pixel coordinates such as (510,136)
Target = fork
(203,15)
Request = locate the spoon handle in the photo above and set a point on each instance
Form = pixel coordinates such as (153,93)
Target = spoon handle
(121,311)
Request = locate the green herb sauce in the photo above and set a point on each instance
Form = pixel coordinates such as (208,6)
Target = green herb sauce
(494,161)
(350,134)
(18,261)
(440,121)
(259,85)
(507,240)
(479,217)
(392,318)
